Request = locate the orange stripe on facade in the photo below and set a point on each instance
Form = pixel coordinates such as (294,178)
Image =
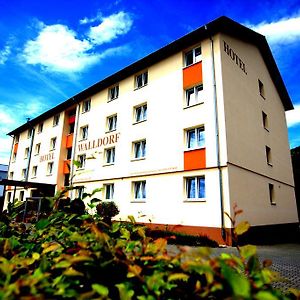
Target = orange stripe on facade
(16,147)
(72,119)
(194,159)
(69,142)
(192,75)
(67,166)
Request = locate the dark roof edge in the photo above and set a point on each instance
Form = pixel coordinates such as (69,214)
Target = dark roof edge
(222,24)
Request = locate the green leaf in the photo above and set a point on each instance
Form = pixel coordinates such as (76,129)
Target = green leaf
(241,228)
(100,289)
(247,251)
(42,223)
(178,276)
(265,295)
(238,283)
(125,292)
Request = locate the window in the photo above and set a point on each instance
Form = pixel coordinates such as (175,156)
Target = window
(84,132)
(192,57)
(71,128)
(195,187)
(139,189)
(37,148)
(109,155)
(113,93)
(268,156)
(141,80)
(261,88)
(14,156)
(86,106)
(26,154)
(21,196)
(81,161)
(69,153)
(23,174)
(56,120)
(109,191)
(140,113)
(80,191)
(34,171)
(265,120)
(29,133)
(11,175)
(193,95)
(112,123)
(139,149)
(50,168)
(195,138)
(16,139)
(271,194)
(53,143)
(67,180)
(40,127)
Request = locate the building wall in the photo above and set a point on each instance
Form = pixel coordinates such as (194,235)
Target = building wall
(247,137)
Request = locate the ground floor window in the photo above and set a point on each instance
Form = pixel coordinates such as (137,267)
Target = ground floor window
(139,189)
(195,187)
(109,191)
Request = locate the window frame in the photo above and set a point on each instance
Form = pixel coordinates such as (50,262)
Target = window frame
(197,92)
(86,105)
(37,148)
(144,80)
(108,191)
(114,123)
(26,153)
(40,127)
(271,194)
(261,89)
(113,93)
(29,133)
(112,152)
(143,113)
(269,156)
(56,120)
(50,166)
(199,145)
(199,189)
(84,132)
(194,56)
(53,142)
(81,158)
(139,188)
(34,172)
(140,143)
(265,120)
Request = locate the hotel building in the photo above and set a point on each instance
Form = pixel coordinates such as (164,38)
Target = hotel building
(175,139)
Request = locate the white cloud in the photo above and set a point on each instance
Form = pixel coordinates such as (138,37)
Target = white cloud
(110,28)
(284,31)
(293,116)
(90,20)
(4,54)
(57,49)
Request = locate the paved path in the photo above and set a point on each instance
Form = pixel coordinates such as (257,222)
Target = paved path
(285,258)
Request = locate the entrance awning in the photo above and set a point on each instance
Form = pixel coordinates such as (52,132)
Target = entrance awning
(27,184)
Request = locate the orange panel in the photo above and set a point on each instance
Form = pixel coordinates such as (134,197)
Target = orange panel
(192,75)
(72,119)
(194,159)
(16,147)
(69,140)
(67,166)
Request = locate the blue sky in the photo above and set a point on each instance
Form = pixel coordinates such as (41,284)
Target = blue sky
(51,50)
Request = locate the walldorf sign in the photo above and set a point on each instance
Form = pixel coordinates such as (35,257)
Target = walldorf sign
(103,141)
(234,57)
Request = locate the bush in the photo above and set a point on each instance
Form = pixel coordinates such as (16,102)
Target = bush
(74,256)
(107,210)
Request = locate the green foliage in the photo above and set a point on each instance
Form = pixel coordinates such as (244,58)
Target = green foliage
(78,256)
(107,210)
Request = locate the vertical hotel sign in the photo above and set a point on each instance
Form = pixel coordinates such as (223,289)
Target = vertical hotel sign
(234,57)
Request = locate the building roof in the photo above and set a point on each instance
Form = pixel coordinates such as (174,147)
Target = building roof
(220,25)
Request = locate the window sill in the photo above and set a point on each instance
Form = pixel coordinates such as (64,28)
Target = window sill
(49,174)
(199,103)
(82,140)
(138,122)
(54,125)
(138,201)
(109,131)
(108,164)
(192,149)
(137,88)
(266,129)
(137,159)
(33,177)
(269,164)
(52,149)
(110,100)
(83,112)
(263,96)
(273,203)
(195,200)
(36,154)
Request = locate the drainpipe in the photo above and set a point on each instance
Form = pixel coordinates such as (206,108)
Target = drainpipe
(74,145)
(30,151)
(223,231)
